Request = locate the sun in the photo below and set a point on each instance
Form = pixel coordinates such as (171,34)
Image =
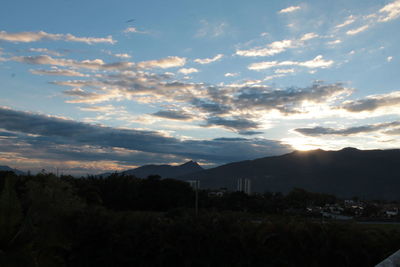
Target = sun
(302,144)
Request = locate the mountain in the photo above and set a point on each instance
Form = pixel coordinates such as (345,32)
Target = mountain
(165,171)
(346,173)
(6,168)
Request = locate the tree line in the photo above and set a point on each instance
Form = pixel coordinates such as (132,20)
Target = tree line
(47,220)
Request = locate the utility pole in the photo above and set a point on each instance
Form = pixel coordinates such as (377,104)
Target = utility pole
(197,185)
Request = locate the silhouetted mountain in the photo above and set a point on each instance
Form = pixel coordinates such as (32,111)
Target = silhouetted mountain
(165,171)
(6,168)
(346,173)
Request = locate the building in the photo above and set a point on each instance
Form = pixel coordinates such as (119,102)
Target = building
(195,184)
(244,185)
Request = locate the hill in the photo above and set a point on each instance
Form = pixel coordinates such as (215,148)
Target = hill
(346,173)
(6,168)
(165,171)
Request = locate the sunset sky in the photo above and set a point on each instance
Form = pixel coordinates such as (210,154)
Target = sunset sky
(95,86)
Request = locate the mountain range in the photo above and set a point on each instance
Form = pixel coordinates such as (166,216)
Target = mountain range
(165,171)
(372,174)
(6,168)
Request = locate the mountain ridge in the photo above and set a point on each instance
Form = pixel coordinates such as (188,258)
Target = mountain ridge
(347,172)
(7,168)
(164,170)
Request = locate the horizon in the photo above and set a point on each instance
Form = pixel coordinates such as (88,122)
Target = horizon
(95,87)
(57,170)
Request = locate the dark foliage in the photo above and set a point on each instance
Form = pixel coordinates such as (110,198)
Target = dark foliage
(124,221)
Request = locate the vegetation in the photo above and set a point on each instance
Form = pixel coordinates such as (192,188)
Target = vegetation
(125,221)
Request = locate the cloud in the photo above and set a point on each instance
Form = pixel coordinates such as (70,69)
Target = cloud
(96,64)
(334,42)
(208,60)
(69,133)
(390,11)
(289,101)
(276,47)
(284,71)
(235,124)
(350,19)
(163,63)
(83,96)
(213,30)
(188,70)
(45,51)
(28,37)
(373,102)
(250,132)
(317,62)
(59,72)
(358,30)
(89,40)
(387,13)
(231,74)
(173,114)
(106,108)
(248,101)
(289,9)
(319,131)
(122,55)
(309,36)
(130,30)
(138,85)
(272,49)
(389,59)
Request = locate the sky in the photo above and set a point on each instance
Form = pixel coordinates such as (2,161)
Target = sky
(96,86)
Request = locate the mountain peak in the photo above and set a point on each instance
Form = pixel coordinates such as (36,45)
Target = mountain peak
(165,171)
(191,163)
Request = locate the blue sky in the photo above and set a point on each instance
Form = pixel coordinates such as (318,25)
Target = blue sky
(96,86)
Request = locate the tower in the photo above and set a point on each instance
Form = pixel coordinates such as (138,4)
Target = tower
(244,185)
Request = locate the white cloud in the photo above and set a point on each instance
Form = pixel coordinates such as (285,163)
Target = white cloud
(122,55)
(231,74)
(334,42)
(276,47)
(95,64)
(45,51)
(358,30)
(133,30)
(284,71)
(271,77)
(349,21)
(208,60)
(214,30)
(89,40)
(309,36)
(168,62)
(188,70)
(371,103)
(272,49)
(289,9)
(317,62)
(389,59)
(59,72)
(28,37)
(392,11)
